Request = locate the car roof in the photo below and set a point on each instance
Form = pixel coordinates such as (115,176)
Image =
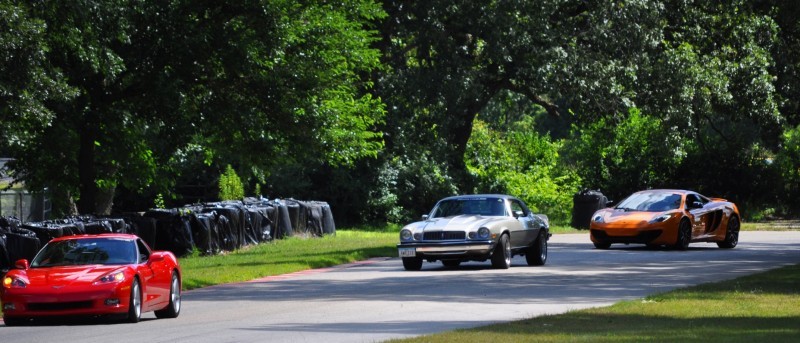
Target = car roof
(679,191)
(479,196)
(102,235)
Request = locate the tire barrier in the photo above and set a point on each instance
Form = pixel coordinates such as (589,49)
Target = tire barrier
(206,228)
(584,204)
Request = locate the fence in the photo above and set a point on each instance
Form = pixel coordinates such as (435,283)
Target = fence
(28,207)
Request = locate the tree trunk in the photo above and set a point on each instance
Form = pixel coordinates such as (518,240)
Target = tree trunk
(459,130)
(86,165)
(104,201)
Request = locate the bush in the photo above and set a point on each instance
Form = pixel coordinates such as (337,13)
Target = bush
(522,163)
(230,185)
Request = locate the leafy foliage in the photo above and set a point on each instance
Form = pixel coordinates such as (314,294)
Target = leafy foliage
(638,152)
(230,185)
(523,163)
(372,106)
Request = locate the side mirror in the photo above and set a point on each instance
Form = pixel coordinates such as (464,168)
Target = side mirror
(157,256)
(518,214)
(424,217)
(22,264)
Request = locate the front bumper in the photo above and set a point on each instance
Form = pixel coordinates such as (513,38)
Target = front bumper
(641,237)
(473,249)
(35,303)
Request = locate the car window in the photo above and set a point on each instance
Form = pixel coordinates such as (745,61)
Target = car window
(144,251)
(86,251)
(516,205)
(651,202)
(691,198)
(470,206)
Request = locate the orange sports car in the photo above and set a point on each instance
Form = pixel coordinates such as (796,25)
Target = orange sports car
(667,217)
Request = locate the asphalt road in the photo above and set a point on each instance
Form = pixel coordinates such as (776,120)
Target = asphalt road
(377,300)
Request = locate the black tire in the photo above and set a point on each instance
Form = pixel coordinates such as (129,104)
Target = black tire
(173,309)
(135,303)
(451,263)
(501,257)
(537,253)
(731,234)
(11,321)
(602,245)
(412,263)
(684,235)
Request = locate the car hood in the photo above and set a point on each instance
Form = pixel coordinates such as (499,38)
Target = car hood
(68,275)
(627,217)
(466,222)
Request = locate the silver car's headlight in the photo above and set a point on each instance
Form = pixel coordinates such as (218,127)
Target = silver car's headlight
(484,233)
(406,235)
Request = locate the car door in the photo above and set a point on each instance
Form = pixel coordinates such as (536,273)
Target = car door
(696,205)
(526,232)
(152,288)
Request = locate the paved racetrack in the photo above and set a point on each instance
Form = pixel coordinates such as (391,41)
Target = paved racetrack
(377,300)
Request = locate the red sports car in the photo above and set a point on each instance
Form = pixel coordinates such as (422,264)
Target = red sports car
(107,274)
(667,217)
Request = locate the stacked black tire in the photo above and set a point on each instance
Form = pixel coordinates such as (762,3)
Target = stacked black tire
(208,228)
(584,204)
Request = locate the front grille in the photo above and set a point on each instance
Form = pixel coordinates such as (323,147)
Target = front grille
(444,235)
(61,306)
(643,237)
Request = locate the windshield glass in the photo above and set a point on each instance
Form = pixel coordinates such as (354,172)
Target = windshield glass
(86,251)
(473,206)
(651,202)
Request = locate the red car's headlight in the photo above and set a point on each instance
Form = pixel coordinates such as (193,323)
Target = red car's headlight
(111,277)
(13,282)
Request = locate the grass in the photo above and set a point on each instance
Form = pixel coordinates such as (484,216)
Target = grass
(758,308)
(287,256)
(776,225)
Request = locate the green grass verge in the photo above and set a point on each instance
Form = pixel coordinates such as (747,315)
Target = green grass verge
(286,256)
(758,308)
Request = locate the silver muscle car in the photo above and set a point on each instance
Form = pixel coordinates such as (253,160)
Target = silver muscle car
(478,228)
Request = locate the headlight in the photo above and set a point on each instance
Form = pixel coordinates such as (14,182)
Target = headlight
(111,277)
(12,282)
(483,233)
(598,219)
(406,235)
(660,218)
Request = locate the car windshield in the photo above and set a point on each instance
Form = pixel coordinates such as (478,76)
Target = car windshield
(473,206)
(86,251)
(651,202)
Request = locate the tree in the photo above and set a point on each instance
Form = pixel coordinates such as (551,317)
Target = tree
(27,83)
(162,83)
(230,185)
(450,59)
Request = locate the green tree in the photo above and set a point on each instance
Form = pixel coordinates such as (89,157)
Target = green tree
(161,85)
(639,152)
(230,185)
(523,163)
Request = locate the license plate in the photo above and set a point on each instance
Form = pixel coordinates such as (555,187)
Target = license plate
(407,252)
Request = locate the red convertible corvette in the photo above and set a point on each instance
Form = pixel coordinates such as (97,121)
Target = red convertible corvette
(667,217)
(108,274)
